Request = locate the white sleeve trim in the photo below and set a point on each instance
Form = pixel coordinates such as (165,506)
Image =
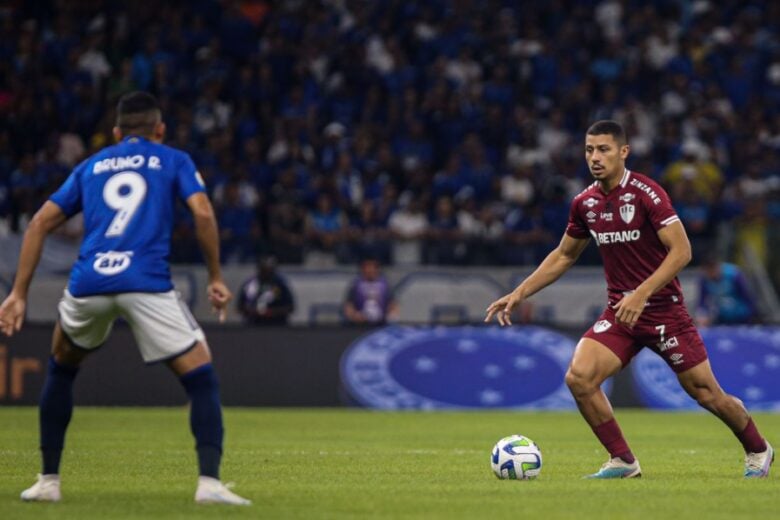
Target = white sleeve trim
(670,220)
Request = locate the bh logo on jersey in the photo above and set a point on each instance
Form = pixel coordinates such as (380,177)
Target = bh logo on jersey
(112,262)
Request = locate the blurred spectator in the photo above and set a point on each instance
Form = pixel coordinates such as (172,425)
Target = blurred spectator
(446,244)
(409,227)
(238,227)
(326,225)
(370,299)
(368,234)
(724,294)
(696,215)
(526,239)
(751,232)
(24,184)
(286,230)
(486,249)
(518,187)
(449,181)
(700,174)
(265,299)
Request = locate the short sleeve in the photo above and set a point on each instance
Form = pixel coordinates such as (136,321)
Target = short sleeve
(660,211)
(188,178)
(576,228)
(69,196)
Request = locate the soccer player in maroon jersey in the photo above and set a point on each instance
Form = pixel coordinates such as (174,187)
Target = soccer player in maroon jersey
(643,245)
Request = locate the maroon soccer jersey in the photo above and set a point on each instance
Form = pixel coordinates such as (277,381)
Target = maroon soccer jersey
(625,223)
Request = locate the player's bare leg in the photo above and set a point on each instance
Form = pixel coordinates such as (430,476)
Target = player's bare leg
(200,381)
(590,366)
(700,383)
(194,358)
(63,350)
(56,409)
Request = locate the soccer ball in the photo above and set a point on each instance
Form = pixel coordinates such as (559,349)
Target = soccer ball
(516,458)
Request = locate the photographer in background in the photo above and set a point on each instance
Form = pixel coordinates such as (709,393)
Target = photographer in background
(265,299)
(370,298)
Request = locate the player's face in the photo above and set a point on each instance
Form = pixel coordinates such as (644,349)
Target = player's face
(605,156)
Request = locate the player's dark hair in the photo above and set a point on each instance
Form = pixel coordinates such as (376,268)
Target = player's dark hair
(607,126)
(138,113)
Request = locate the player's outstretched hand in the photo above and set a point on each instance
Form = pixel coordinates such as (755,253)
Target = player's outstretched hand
(502,309)
(219,297)
(12,314)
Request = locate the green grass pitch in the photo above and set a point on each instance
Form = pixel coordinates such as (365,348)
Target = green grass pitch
(139,463)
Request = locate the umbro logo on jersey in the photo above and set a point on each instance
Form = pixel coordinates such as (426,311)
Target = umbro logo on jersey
(590,202)
(601,326)
(676,358)
(591,216)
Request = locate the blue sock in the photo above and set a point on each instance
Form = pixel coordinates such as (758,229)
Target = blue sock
(205,417)
(56,408)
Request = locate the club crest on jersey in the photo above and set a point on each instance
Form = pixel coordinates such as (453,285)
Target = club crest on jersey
(627,197)
(601,326)
(590,202)
(112,262)
(627,213)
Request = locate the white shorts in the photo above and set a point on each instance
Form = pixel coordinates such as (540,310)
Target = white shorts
(162,324)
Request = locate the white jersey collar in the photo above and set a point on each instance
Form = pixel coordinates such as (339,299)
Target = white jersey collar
(626,176)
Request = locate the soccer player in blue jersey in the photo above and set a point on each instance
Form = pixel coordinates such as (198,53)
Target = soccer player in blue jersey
(127,193)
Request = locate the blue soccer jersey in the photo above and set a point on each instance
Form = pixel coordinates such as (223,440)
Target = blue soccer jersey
(127,193)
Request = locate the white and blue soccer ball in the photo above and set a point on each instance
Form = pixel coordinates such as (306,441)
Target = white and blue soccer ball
(516,458)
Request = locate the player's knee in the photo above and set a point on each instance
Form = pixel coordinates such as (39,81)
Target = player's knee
(705,397)
(579,383)
(64,352)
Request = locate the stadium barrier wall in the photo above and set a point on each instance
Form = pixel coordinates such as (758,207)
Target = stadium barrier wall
(425,295)
(257,367)
(392,367)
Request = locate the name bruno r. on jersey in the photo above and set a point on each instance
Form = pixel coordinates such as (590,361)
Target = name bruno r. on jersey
(132,162)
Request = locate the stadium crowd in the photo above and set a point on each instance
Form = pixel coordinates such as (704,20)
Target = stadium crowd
(434,131)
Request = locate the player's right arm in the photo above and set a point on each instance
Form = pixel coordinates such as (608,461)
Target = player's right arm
(557,262)
(45,220)
(208,238)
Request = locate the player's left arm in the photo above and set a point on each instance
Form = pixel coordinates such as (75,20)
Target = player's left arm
(45,220)
(676,241)
(207,233)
